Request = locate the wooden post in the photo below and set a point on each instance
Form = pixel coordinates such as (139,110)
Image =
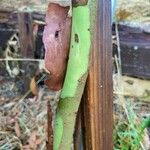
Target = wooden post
(27,42)
(98,102)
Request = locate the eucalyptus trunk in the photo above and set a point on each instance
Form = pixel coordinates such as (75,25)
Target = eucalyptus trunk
(76,75)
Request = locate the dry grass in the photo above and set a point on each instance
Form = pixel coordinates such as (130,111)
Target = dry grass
(23,121)
(39,5)
(139,10)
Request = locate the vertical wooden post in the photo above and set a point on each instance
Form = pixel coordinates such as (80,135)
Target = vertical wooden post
(26,38)
(98,102)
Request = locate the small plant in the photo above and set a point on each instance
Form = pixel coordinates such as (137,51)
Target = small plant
(129,132)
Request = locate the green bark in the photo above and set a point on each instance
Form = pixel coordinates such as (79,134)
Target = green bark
(75,79)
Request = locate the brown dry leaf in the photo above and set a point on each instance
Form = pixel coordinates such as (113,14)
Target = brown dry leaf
(16,112)
(33,86)
(38,141)
(123,14)
(35,29)
(17,129)
(34,140)
(26,147)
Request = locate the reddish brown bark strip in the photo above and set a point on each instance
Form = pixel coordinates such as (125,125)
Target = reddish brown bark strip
(50,128)
(56,39)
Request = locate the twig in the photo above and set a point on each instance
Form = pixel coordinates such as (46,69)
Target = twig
(119,72)
(49,126)
(21,59)
(118,48)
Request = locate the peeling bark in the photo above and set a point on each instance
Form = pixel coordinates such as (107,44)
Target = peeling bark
(56,38)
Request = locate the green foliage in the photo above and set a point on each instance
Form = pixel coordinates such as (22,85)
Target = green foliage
(129,132)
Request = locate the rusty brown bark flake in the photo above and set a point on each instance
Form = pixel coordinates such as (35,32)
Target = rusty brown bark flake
(56,38)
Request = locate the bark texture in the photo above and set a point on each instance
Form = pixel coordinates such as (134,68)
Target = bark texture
(56,38)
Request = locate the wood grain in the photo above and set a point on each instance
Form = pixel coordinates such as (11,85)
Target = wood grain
(27,43)
(97,108)
(135,50)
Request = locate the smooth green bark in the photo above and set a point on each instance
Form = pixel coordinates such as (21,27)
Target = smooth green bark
(75,79)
